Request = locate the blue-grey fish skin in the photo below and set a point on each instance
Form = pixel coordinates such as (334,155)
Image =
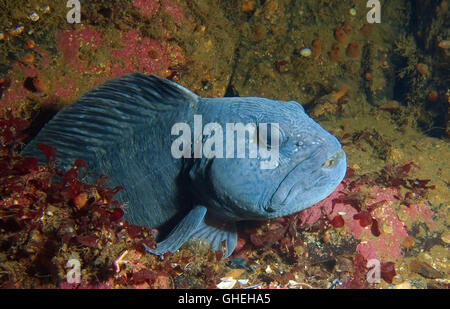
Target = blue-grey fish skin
(122,129)
(311,162)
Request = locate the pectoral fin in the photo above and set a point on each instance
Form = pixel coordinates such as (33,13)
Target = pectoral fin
(215,232)
(196,225)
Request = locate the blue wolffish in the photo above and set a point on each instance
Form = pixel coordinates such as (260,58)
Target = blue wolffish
(122,129)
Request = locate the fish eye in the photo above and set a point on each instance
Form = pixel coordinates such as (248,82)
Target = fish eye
(268,135)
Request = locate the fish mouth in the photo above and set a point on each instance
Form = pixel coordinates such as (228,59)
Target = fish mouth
(331,161)
(296,181)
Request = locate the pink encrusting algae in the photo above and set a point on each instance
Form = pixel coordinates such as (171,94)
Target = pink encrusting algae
(70,42)
(87,50)
(418,212)
(173,10)
(65,88)
(147,8)
(16,91)
(12,95)
(393,232)
(144,55)
(389,244)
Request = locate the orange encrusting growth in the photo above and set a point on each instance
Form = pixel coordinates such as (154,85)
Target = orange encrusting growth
(28,59)
(336,96)
(248,5)
(433,96)
(340,35)
(422,69)
(316,48)
(334,56)
(352,50)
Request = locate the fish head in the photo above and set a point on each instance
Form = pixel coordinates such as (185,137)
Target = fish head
(305,162)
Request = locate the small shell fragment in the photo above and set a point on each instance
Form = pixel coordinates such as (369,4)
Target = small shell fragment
(444,44)
(235,273)
(227,283)
(17,30)
(33,16)
(352,11)
(243,281)
(306,52)
(445,237)
(45,9)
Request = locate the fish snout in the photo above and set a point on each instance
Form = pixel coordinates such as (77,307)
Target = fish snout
(307,183)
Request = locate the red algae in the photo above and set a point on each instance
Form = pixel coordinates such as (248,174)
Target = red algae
(31,197)
(58,219)
(337,221)
(357,279)
(374,228)
(48,151)
(387,271)
(364,218)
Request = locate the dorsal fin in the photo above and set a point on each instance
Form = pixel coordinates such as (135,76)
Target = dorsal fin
(109,112)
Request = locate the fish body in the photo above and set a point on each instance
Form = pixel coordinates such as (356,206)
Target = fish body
(124,129)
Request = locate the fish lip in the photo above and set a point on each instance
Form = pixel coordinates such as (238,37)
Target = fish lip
(339,154)
(280,197)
